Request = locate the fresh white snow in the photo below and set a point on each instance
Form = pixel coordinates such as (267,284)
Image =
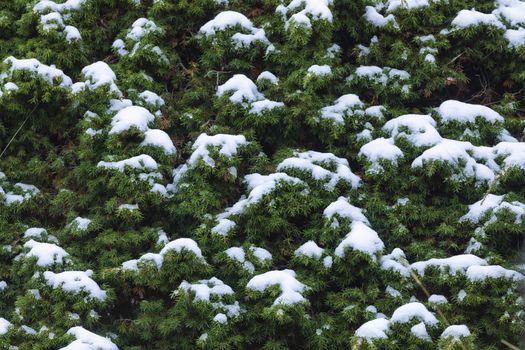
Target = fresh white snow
(86,340)
(75,282)
(361,238)
(291,288)
(309,249)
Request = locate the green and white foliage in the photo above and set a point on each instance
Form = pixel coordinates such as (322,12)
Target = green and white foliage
(261,174)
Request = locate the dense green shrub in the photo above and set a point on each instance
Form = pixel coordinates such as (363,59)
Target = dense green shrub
(261,174)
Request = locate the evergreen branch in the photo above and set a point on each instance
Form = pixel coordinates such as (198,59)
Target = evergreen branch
(404,262)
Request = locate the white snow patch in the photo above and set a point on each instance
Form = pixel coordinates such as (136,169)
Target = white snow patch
(205,289)
(437,299)
(454,264)
(4,326)
(513,152)
(469,18)
(238,254)
(48,73)
(462,112)
(68,5)
(343,106)
(309,249)
(344,209)
(178,245)
(259,186)
(152,98)
(259,107)
(481,273)
(46,253)
(260,253)
(86,340)
(316,163)
(243,88)
(393,5)
(407,312)
(361,238)
(456,332)
(328,261)
(291,288)
(132,116)
(223,227)
(143,162)
(98,74)
(512,11)
(75,281)
(221,318)
(377,19)
(378,150)
(374,329)
(227,146)
(244,92)
(493,204)
(266,75)
(380,75)
(129,207)
(320,70)
(416,128)
(393,292)
(159,138)
(303,10)
(515,37)
(35,232)
(72,33)
(395,262)
(455,153)
(80,223)
(231,19)
(140,28)
(420,331)
(181,244)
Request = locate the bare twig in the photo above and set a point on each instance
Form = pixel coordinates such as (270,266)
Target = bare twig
(509,345)
(18,130)
(217,73)
(455,58)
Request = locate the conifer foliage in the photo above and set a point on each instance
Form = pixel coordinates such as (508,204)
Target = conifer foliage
(261,174)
